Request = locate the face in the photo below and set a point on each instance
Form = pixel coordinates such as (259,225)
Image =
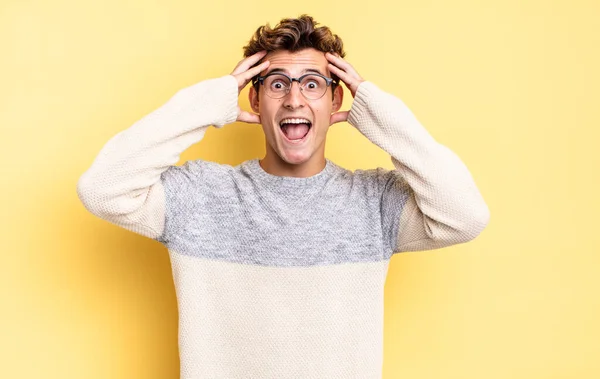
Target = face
(283,144)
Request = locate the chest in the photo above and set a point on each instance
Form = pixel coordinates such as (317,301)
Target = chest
(292,229)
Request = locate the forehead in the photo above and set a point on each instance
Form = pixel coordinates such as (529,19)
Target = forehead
(297,62)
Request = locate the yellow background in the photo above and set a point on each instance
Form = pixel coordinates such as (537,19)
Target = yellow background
(511,86)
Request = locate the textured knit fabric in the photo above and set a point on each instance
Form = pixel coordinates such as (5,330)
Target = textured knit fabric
(281,277)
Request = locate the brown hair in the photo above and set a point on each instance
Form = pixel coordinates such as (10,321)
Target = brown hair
(295,34)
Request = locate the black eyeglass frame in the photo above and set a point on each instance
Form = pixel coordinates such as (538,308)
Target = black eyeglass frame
(261,80)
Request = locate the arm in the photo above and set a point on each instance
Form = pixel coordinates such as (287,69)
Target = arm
(123,185)
(444,206)
(432,199)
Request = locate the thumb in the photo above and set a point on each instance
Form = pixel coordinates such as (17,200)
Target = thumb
(338,117)
(247,117)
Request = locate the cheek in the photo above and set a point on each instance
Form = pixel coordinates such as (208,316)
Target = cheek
(269,107)
(323,112)
(268,111)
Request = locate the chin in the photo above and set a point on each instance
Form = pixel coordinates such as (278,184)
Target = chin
(295,157)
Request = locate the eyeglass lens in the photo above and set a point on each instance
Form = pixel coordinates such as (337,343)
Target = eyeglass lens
(312,86)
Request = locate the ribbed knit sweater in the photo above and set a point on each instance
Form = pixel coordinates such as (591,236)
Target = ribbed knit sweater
(281,277)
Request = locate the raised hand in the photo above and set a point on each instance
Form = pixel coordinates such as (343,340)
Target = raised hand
(243,74)
(348,75)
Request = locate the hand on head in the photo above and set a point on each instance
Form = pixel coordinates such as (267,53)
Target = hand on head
(244,72)
(348,75)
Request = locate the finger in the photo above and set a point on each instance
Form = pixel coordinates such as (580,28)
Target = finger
(346,78)
(338,117)
(351,72)
(255,70)
(340,62)
(248,62)
(247,117)
(244,78)
(344,68)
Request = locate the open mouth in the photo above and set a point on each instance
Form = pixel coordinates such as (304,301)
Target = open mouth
(295,129)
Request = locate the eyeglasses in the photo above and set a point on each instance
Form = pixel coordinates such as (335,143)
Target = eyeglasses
(278,85)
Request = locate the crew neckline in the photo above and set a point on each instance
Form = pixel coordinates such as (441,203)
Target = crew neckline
(256,170)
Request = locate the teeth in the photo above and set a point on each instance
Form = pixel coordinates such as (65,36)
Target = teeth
(294,121)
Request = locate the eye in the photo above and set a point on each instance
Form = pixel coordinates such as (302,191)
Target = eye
(313,83)
(278,84)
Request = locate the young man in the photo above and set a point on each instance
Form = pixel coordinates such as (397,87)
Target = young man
(280,263)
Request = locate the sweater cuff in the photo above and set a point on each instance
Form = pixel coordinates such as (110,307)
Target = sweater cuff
(359,111)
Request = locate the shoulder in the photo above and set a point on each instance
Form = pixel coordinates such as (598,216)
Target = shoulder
(361,182)
(195,172)
(377,178)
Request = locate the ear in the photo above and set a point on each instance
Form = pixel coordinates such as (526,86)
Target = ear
(338,97)
(253,98)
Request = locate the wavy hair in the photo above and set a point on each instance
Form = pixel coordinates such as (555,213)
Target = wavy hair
(294,34)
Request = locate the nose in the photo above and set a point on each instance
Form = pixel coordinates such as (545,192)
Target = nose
(294,99)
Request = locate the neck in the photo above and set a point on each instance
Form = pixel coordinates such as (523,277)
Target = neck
(274,165)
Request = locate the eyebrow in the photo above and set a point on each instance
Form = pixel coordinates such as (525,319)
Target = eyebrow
(303,72)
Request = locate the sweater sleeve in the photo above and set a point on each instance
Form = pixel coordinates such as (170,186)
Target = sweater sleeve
(431,200)
(123,184)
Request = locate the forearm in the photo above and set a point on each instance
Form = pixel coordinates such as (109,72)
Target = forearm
(123,184)
(445,206)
